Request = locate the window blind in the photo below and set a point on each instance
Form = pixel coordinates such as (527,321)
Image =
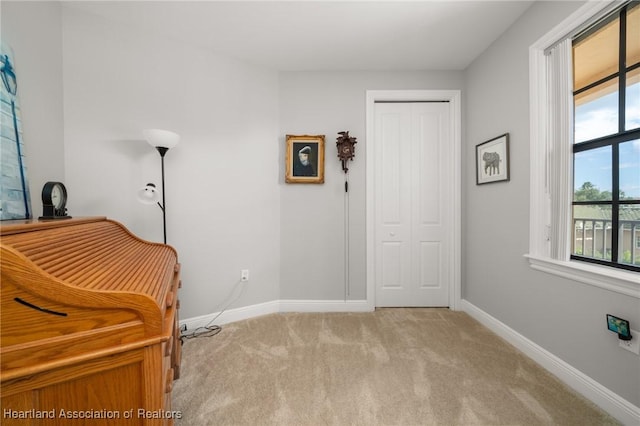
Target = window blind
(559,147)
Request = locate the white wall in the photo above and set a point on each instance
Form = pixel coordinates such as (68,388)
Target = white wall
(223,201)
(33,31)
(313,216)
(564,317)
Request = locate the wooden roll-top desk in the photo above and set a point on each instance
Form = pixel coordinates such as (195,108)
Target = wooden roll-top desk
(89,325)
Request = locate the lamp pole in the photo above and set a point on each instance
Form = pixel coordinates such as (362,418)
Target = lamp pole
(163,150)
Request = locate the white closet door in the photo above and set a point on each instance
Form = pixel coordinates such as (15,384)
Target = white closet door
(413,205)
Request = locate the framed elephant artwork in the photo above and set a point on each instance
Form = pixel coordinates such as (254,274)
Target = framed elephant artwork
(492,160)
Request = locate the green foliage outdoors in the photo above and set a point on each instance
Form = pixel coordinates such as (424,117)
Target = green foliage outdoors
(590,192)
(626,256)
(594,217)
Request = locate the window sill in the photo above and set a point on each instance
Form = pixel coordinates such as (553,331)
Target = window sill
(619,281)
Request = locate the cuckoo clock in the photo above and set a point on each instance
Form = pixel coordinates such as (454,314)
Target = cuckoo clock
(346,149)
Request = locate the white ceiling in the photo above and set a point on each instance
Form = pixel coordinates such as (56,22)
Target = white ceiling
(326,35)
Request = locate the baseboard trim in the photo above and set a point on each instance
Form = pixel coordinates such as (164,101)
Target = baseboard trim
(324,306)
(612,403)
(232,315)
(276,306)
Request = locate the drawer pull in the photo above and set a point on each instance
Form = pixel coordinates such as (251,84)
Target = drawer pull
(38,308)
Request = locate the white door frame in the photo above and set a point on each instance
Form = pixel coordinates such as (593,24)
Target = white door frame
(453,97)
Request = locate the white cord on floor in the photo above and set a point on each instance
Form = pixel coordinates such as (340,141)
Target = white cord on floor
(210,329)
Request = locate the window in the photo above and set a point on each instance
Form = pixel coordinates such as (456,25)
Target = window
(574,225)
(606,141)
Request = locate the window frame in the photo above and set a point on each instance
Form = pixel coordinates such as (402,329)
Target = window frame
(606,277)
(613,140)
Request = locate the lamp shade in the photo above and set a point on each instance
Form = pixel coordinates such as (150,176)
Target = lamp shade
(149,194)
(161,138)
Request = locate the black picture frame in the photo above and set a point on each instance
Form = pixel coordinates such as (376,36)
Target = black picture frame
(492,160)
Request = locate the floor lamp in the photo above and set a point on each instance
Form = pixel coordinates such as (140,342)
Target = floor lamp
(163,141)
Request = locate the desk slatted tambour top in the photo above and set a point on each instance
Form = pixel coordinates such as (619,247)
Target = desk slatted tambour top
(88,323)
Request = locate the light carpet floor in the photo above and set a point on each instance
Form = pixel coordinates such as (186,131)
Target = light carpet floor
(388,367)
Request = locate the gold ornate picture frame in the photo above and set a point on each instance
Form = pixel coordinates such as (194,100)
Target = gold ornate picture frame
(305,159)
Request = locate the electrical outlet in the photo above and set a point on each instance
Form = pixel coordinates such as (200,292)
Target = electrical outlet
(632,345)
(244,275)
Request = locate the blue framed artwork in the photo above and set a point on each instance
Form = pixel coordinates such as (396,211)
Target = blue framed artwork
(14,187)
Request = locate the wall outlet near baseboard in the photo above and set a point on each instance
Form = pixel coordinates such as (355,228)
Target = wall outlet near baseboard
(632,345)
(244,275)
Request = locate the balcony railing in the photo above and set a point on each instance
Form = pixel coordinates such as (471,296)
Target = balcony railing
(592,239)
